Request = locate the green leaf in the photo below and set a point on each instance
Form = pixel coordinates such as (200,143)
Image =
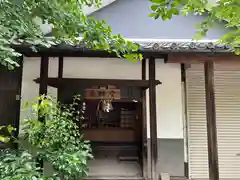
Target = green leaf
(4,139)
(152,15)
(154,7)
(156,16)
(155,1)
(10,129)
(174,11)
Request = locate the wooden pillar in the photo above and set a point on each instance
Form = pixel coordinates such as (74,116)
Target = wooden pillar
(153,117)
(43,75)
(211,121)
(18,97)
(43,86)
(60,74)
(144,125)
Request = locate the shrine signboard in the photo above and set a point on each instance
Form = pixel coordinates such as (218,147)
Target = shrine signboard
(102,93)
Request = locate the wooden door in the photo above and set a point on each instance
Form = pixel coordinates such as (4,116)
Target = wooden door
(10,91)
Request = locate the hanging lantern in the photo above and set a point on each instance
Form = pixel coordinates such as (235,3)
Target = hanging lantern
(106,105)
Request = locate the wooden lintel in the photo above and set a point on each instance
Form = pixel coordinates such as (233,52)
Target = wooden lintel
(61,82)
(194,58)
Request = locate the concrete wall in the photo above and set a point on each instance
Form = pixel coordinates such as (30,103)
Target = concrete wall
(169,97)
(171,156)
(130,19)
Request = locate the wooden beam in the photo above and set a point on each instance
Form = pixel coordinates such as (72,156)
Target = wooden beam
(211,121)
(60,82)
(153,117)
(195,58)
(67,51)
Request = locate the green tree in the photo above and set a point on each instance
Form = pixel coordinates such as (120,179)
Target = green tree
(19,25)
(58,140)
(226,11)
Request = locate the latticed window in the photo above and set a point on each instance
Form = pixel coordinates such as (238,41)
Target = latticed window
(127,118)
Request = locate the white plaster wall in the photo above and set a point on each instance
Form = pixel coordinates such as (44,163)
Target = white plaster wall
(169,101)
(111,68)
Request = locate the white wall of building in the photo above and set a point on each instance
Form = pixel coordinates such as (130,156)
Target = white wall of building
(169,100)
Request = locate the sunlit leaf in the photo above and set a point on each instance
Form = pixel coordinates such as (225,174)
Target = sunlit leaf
(4,139)
(10,128)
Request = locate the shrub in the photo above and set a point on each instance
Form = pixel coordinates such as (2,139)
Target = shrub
(53,130)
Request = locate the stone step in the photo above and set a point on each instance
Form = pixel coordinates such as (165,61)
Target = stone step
(114,178)
(166,176)
(178,178)
(128,156)
(129,178)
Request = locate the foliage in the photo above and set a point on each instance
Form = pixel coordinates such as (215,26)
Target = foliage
(20,25)
(3,137)
(19,165)
(226,11)
(57,138)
